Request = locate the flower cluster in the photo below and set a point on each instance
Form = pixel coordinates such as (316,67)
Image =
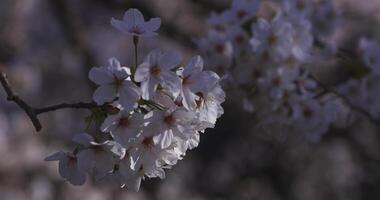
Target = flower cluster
(156,112)
(363,88)
(265,51)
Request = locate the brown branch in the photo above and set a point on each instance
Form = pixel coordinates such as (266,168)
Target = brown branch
(80,105)
(11,96)
(34,112)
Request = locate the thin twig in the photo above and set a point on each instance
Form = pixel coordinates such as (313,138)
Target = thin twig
(80,105)
(34,112)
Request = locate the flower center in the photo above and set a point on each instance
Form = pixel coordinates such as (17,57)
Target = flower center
(272,39)
(219,48)
(135,29)
(186,81)
(239,39)
(124,122)
(148,142)
(307,112)
(241,14)
(169,120)
(117,82)
(155,70)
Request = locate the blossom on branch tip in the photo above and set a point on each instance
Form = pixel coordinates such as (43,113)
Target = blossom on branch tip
(133,23)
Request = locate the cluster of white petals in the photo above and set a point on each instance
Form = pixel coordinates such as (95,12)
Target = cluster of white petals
(264,51)
(159,110)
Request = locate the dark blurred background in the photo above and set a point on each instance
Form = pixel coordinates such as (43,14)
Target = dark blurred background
(47,48)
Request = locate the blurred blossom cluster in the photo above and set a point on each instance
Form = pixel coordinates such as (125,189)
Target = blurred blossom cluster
(267,51)
(155,113)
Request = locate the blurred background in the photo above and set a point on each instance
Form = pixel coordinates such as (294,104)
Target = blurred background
(47,48)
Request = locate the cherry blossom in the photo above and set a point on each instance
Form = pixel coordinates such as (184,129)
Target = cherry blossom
(114,81)
(133,23)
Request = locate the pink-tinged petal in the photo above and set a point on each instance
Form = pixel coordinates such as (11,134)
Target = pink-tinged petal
(169,60)
(133,17)
(195,65)
(148,34)
(170,81)
(152,25)
(104,93)
(204,81)
(129,95)
(100,75)
(119,25)
(83,139)
(56,156)
(142,72)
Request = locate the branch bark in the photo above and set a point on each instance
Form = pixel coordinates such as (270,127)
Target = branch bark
(32,112)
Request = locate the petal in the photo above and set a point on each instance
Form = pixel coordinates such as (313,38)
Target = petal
(83,139)
(100,75)
(133,183)
(103,94)
(195,65)
(115,148)
(170,81)
(119,25)
(109,123)
(129,95)
(169,60)
(165,139)
(152,25)
(133,17)
(56,156)
(86,160)
(103,162)
(204,82)
(142,72)
(76,177)
(188,100)
(148,88)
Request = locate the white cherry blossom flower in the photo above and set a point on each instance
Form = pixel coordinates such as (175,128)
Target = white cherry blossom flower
(69,168)
(99,157)
(157,70)
(123,126)
(114,81)
(133,23)
(195,80)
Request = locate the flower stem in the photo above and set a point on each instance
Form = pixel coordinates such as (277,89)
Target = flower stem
(135,44)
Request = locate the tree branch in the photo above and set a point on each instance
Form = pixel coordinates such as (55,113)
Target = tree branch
(34,112)
(11,96)
(80,105)
(347,101)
